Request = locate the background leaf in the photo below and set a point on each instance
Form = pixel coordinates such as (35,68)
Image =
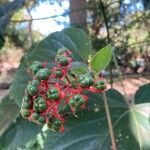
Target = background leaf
(8,112)
(71,38)
(140,124)
(101,59)
(18,134)
(142,95)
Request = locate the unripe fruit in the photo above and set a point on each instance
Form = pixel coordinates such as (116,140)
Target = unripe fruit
(39,104)
(26,105)
(86,80)
(43,74)
(35,82)
(80,102)
(31,89)
(41,119)
(59,73)
(35,66)
(35,116)
(77,97)
(63,60)
(25,113)
(26,98)
(72,102)
(53,94)
(42,107)
(100,85)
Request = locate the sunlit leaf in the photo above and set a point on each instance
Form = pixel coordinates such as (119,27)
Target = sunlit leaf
(101,59)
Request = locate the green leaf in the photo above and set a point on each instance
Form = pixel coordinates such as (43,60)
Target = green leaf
(140,124)
(142,95)
(89,130)
(8,111)
(72,38)
(101,59)
(79,68)
(18,134)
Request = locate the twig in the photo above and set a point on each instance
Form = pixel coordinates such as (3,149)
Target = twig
(120,75)
(109,121)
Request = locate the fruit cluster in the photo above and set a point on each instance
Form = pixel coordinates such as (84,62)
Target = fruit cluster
(52,86)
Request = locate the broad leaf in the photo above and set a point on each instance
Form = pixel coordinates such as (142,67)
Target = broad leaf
(142,95)
(8,111)
(89,130)
(18,134)
(71,38)
(140,124)
(79,68)
(101,59)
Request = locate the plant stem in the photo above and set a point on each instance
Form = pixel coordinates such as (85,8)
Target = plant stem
(120,75)
(68,79)
(109,121)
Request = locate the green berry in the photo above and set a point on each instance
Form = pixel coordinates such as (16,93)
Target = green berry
(42,107)
(57,122)
(26,98)
(36,107)
(63,60)
(86,80)
(39,104)
(80,102)
(53,94)
(77,97)
(43,74)
(100,85)
(59,73)
(35,82)
(25,113)
(31,89)
(35,116)
(40,100)
(26,105)
(41,119)
(36,66)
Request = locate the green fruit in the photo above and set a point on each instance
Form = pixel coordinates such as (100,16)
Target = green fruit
(41,100)
(86,80)
(80,102)
(41,119)
(26,98)
(36,107)
(42,107)
(63,60)
(35,116)
(25,113)
(35,82)
(72,102)
(43,74)
(36,66)
(26,105)
(59,73)
(100,85)
(31,89)
(53,94)
(57,122)
(39,104)
(77,97)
